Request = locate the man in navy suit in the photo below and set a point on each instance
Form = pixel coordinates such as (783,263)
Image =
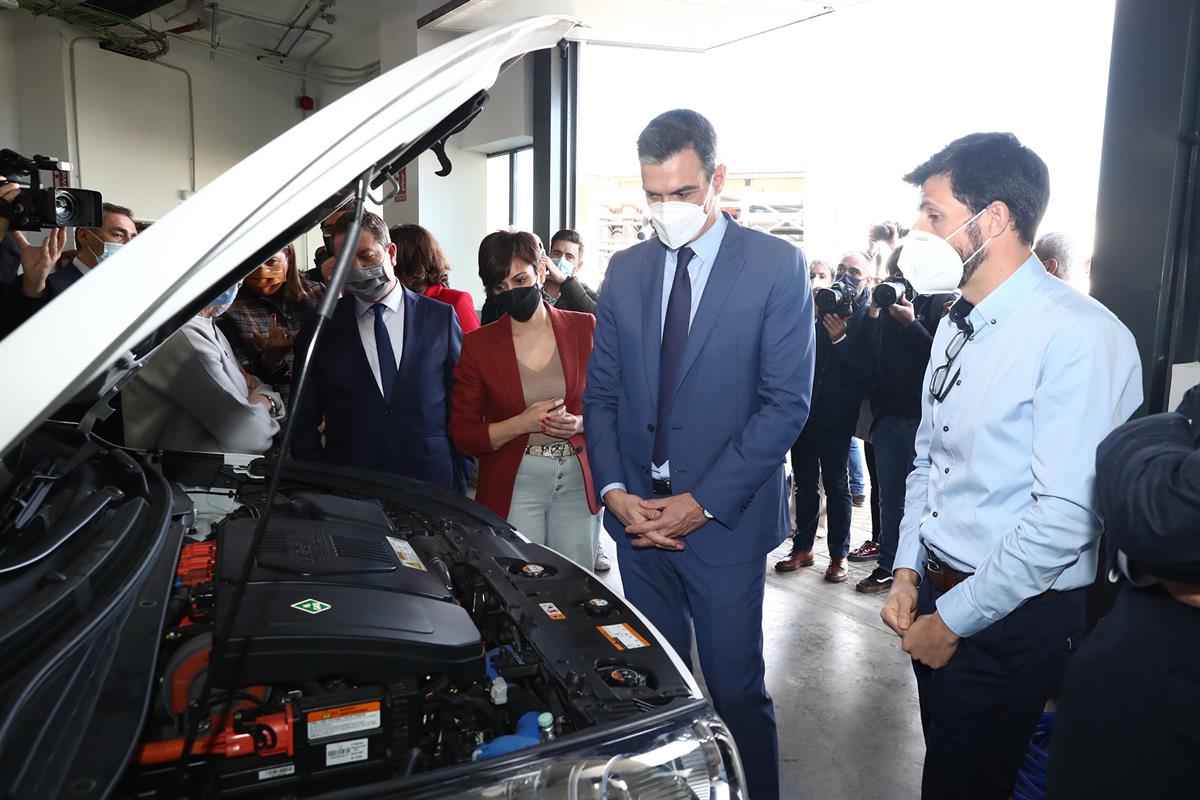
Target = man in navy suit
(382,372)
(698,384)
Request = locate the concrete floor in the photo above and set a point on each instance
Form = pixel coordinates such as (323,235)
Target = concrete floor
(845,696)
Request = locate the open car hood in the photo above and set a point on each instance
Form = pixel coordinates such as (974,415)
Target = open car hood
(168,273)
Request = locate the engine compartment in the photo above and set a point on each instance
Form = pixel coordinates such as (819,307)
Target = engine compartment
(381,638)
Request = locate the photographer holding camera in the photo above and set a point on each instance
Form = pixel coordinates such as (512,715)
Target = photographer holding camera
(822,450)
(897,334)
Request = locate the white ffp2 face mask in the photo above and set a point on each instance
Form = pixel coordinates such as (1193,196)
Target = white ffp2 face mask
(677,222)
(931,264)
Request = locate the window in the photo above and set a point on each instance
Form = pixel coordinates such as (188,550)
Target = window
(510,190)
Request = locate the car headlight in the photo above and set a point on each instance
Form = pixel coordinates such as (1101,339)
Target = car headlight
(685,756)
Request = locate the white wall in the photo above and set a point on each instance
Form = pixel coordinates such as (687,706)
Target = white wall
(9,129)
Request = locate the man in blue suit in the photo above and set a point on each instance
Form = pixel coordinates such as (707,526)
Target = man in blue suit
(698,384)
(382,372)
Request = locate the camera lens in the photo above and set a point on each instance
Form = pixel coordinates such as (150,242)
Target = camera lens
(64,209)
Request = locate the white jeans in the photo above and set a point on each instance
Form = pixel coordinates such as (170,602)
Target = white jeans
(550,507)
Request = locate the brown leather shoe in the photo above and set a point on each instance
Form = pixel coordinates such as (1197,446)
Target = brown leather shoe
(836,572)
(798,559)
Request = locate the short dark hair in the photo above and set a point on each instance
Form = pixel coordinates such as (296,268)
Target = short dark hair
(567,235)
(674,131)
(499,250)
(372,223)
(986,167)
(113,208)
(420,260)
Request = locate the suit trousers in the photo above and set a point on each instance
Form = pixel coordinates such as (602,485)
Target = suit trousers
(979,711)
(821,455)
(678,592)
(550,507)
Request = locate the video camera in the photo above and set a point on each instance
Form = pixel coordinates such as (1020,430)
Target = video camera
(887,294)
(838,298)
(37,208)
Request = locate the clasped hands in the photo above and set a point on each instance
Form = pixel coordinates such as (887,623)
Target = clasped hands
(926,638)
(660,522)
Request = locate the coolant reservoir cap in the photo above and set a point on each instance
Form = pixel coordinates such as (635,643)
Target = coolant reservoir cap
(533,570)
(598,607)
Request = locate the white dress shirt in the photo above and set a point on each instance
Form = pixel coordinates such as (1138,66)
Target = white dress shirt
(393,317)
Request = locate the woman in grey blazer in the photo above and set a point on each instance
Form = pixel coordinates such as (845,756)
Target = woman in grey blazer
(193,395)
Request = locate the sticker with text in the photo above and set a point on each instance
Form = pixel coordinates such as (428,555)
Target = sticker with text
(623,637)
(552,611)
(276,772)
(342,720)
(345,752)
(405,552)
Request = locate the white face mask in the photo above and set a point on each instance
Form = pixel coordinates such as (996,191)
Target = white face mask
(931,264)
(108,250)
(563,265)
(677,222)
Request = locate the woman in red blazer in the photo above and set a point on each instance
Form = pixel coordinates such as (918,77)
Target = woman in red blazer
(517,404)
(422,266)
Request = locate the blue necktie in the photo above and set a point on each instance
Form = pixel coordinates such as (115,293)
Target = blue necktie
(387,356)
(674,340)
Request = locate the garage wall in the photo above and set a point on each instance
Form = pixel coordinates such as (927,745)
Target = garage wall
(8,85)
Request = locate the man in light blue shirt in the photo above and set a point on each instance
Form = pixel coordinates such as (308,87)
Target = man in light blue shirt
(999,536)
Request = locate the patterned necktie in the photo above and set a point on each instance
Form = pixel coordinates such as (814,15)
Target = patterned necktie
(674,340)
(387,356)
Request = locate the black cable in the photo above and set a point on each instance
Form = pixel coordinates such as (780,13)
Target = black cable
(224,627)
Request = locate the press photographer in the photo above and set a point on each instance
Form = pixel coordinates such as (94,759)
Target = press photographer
(839,384)
(897,333)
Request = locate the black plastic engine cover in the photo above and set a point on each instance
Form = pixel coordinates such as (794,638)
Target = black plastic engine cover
(330,598)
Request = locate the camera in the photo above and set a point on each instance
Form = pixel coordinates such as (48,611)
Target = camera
(889,293)
(837,298)
(37,208)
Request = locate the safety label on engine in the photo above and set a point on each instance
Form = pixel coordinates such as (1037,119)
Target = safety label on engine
(276,772)
(342,720)
(407,555)
(345,752)
(552,611)
(623,637)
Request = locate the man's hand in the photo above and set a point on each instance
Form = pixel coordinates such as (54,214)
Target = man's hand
(627,508)
(1188,593)
(327,268)
(554,275)
(38,261)
(677,516)
(835,325)
(930,641)
(903,312)
(873,309)
(901,605)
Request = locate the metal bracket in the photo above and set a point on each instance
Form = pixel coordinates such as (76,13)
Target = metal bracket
(391,192)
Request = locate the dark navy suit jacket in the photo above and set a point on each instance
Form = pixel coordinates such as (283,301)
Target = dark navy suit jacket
(743,392)
(405,434)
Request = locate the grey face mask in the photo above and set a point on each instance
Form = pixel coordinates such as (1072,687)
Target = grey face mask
(367,284)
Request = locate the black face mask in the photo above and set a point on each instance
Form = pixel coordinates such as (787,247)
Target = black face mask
(520,303)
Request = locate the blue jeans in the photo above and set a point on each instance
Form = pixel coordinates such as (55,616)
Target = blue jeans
(893,439)
(855,467)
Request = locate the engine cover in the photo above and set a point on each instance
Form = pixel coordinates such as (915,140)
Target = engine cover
(327,597)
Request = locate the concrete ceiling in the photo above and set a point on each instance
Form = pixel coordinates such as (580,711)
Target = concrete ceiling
(690,25)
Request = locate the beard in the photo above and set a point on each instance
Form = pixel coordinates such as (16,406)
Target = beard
(974,257)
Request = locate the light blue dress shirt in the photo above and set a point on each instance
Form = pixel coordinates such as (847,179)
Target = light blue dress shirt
(699,268)
(1005,465)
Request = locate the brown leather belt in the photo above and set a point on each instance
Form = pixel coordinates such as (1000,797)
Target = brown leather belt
(943,578)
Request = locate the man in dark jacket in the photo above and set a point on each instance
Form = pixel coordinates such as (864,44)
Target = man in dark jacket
(821,452)
(895,342)
(1127,717)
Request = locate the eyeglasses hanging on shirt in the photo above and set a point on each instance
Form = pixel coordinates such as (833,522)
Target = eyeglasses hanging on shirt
(941,382)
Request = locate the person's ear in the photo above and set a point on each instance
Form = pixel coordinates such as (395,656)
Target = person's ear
(718,182)
(997,219)
(391,251)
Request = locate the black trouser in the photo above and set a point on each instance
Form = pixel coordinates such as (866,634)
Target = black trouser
(821,455)
(869,459)
(979,711)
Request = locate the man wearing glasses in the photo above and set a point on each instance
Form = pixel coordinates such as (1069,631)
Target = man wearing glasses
(999,535)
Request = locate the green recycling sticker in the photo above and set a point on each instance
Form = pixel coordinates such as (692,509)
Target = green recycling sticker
(311,606)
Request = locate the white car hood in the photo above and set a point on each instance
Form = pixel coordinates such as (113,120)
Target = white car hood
(193,250)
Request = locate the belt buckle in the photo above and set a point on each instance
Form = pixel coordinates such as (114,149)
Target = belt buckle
(933,566)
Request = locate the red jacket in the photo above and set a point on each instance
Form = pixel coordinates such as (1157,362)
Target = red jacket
(487,389)
(464,306)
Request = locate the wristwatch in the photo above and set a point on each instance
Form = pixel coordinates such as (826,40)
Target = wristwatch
(707,513)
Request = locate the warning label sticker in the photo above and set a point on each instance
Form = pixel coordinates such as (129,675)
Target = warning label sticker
(276,772)
(405,552)
(552,611)
(345,719)
(623,637)
(345,752)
